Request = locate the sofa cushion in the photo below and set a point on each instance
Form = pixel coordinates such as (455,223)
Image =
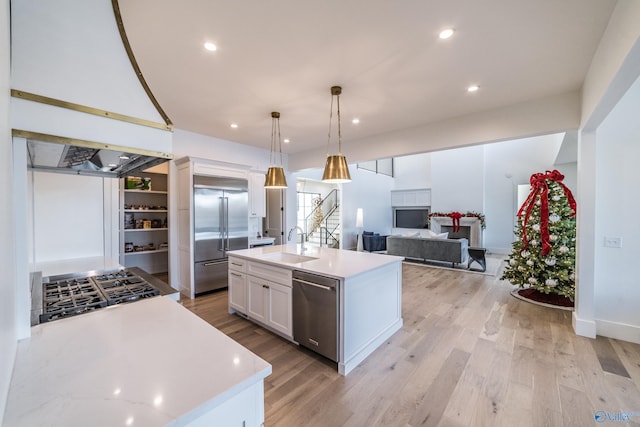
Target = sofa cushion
(431,235)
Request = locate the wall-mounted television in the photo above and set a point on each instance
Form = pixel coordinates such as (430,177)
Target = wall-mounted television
(410,217)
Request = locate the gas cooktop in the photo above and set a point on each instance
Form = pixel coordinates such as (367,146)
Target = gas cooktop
(68,297)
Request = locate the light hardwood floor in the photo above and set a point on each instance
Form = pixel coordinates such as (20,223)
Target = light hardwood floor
(469,354)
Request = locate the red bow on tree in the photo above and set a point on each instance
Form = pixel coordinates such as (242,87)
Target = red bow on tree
(455,217)
(540,188)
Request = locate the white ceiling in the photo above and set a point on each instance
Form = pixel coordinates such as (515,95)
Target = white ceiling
(284,55)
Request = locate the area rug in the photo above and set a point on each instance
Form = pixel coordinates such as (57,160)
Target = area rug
(545,300)
(494,264)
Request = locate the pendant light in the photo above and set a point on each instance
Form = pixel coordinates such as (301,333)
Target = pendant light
(336,170)
(275,175)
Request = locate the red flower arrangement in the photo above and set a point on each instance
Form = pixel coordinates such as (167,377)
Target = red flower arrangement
(455,216)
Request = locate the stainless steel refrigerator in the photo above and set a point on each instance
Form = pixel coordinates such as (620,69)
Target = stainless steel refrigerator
(221,224)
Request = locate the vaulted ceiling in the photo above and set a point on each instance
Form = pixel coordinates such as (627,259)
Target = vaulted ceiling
(396,73)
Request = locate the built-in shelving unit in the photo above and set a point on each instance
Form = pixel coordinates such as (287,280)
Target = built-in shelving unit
(144,222)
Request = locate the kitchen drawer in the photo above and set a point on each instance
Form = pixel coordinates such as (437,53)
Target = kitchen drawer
(275,274)
(237,264)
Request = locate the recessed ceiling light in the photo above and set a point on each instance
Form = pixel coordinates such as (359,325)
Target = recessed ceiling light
(355,121)
(286,140)
(445,34)
(234,125)
(210,46)
(473,88)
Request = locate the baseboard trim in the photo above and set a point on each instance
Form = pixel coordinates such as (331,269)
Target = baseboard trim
(619,331)
(583,327)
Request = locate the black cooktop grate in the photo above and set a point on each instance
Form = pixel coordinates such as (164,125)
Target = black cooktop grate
(65,298)
(125,290)
(69,297)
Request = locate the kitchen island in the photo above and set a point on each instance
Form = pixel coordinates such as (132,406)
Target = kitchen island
(150,362)
(369,293)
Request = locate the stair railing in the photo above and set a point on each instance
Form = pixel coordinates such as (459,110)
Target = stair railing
(318,215)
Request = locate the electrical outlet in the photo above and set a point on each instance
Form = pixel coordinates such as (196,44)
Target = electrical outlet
(613,242)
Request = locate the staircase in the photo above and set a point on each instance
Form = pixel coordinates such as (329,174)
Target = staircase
(322,225)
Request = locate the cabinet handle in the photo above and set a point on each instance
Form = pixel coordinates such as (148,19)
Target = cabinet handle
(265,286)
(235,263)
(236,274)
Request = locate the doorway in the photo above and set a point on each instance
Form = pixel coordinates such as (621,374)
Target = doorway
(318,212)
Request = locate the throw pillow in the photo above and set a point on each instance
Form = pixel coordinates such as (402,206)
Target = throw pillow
(441,236)
(429,234)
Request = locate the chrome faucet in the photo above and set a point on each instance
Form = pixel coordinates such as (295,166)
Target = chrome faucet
(301,239)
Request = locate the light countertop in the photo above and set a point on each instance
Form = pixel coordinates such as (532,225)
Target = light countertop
(338,263)
(150,362)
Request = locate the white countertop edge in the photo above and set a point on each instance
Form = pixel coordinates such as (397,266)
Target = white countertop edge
(220,399)
(325,263)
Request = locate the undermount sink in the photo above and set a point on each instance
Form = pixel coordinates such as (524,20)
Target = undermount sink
(288,257)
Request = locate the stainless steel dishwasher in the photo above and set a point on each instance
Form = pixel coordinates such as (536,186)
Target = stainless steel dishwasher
(315,313)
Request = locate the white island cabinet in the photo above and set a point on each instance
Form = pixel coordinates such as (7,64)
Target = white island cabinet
(147,363)
(262,293)
(370,293)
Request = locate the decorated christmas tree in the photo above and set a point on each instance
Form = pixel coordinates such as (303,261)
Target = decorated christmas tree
(543,256)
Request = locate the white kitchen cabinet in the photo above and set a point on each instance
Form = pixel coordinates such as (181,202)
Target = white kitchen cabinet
(257,195)
(144,225)
(238,292)
(270,304)
(237,286)
(410,198)
(269,299)
(258,295)
(280,309)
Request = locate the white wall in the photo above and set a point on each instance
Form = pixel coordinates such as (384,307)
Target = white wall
(617,290)
(8,321)
(457,180)
(68,216)
(412,172)
(192,144)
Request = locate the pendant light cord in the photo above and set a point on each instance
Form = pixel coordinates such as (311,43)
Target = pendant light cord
(279,141)
(275,133)
(330,123)
(337,95)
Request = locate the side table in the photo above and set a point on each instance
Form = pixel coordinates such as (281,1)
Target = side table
(478,255)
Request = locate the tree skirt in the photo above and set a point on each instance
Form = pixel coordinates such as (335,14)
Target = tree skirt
(540,298)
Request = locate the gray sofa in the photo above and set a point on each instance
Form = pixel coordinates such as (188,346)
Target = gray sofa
(454,251)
